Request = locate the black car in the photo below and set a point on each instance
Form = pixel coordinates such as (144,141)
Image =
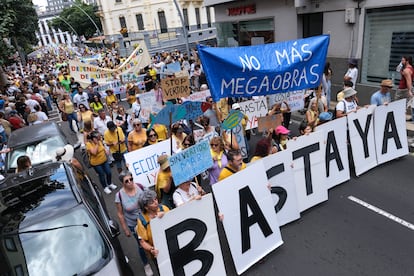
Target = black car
(53,222)
(39,142)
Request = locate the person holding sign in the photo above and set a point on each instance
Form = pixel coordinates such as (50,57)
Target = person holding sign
(164,185)
(348,104)
(235,164)
(150,209)
(186,192)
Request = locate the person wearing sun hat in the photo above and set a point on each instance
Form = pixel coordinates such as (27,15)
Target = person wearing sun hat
(164,185)
(348,104)
(382,96)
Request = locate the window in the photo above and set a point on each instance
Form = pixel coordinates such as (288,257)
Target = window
(185,15)
(163,22)
(118,1)
(388,36)
(208,17)
(140,21)
(197,12)
(122,22)
(312,24)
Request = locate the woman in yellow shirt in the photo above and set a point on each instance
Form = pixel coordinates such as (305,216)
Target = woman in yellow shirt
(110,97)
(137,137)
(85,115)
(66,106)
(99,161)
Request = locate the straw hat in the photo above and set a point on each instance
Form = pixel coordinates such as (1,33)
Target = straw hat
(348,92)
(387,83)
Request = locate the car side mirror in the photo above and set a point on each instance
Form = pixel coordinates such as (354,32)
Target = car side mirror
(113,228)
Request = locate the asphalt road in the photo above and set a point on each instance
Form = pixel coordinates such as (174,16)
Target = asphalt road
(337,237)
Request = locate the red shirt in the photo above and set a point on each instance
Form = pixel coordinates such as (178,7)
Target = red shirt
(15,122)
(403,81)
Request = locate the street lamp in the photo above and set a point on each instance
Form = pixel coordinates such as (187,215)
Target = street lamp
(70,26)
(80,8)
(184,27)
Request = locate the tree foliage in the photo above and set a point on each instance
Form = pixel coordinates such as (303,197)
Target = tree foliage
(18,24)
(75,17)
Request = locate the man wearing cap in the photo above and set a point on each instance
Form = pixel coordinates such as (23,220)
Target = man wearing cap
(114,138)
(352,73)
(382,96)
(348,104)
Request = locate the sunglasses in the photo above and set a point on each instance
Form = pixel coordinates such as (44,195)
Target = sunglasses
(214,145)
(187,144)
(152,135)
(129,180)
(137,125)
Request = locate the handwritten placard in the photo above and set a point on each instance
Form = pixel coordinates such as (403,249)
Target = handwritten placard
(173,88)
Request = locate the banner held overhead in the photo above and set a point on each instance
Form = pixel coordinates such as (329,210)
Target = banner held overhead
(264,69)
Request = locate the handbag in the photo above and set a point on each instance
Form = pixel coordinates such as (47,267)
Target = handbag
(118,156)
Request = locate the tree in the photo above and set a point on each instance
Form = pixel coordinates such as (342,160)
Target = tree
(18,26)
(75,17)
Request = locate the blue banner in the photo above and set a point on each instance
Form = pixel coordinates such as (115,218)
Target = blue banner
(264,69)
(190,162)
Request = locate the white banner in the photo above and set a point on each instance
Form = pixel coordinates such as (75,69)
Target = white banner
(142,163)
(295,99)
(280,174)
(188,241)
(390,131)
(335,151)
(254,109)
(361,136)
(250,221)
(308,162)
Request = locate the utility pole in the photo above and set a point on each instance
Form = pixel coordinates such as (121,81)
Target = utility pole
(185,33)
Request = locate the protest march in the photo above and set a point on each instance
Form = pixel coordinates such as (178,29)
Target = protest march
(182,129)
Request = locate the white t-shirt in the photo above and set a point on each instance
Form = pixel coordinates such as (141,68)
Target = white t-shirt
(346,106)
(100,125)
(180,196)
(353,74)
(81,99)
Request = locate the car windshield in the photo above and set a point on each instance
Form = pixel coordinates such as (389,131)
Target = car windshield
(38,151)
(72,250)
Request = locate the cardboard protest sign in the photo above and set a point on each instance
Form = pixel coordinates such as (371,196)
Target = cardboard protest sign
(252,71)
(142,163)
(295,99)
(268,122)
(190,162)
(390,131)
(187,240)
(361,136)
(250,221)
(308,162)
(254,109)
(173,88)
(335,151)
(280,175)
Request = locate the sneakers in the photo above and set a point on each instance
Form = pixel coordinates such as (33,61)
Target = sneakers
(148,270)
(112,186)
(107,190)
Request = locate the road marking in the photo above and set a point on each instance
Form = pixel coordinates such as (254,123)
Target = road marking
(382,212)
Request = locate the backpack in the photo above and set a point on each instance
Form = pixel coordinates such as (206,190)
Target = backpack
(144,221)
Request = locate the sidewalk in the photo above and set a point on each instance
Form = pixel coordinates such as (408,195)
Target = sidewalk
(297,116)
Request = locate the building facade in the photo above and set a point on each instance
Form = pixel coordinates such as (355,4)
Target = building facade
(376,32)
(157,22)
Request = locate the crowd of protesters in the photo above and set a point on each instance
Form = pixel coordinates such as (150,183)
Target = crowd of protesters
(110,129)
